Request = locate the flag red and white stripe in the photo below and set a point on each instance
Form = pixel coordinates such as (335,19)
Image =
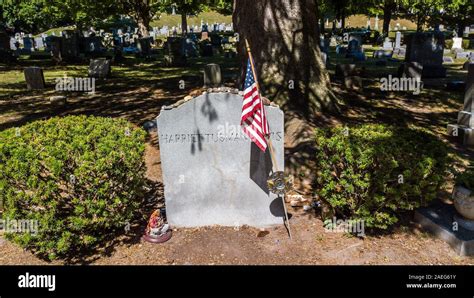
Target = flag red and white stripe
(254,121)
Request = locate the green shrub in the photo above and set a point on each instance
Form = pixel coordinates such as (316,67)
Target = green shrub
(79,177)
(359,168)
(466,178)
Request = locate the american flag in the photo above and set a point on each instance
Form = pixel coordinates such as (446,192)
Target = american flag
(254,120)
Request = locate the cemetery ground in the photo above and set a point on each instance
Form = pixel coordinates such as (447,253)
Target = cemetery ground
(136,91)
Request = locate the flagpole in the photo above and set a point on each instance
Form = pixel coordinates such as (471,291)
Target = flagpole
(269,141)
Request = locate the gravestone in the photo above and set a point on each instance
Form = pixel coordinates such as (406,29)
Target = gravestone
(175,51)
(13,43)
(457,43)
(411,70)
(382,54)
(387,44)
(39,44)
(212,75)
(448,59)
(462,55)
(5,43)
(398,40)
(70,45)
(144,46)
(99,68)
(464,129)
(34,78)
(27,44)
(427,49)
(439,219)
(212,173)
(353,47)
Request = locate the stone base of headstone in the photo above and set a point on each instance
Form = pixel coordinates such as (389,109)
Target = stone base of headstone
(433,71)
(462,55)
(438,219)
(466,119)
(463,134)
(212,75)
(448,59)
(410,70)
(353,82)
(464,222)
(382,54)
(345,70)
(34,78)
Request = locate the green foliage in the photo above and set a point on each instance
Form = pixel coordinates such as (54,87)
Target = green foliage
(358,171)
(466,178)
(79,177)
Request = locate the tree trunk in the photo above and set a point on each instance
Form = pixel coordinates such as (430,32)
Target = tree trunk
(343,19)
(285,45)
(387,17)
(143,25)
(184,24)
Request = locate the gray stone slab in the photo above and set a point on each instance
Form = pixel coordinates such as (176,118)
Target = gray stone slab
(212,75)
(439,220)
(410,70)
(462,134)
(212,173)
(34,78)
(99,68)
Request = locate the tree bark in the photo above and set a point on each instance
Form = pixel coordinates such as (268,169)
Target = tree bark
(387,16)
(143,25)
(284,41)
(184,24)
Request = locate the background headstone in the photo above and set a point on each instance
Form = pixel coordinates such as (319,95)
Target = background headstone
(427,49)
(212,173)
(34,78)
(464,129)
(212,75)
(99,68)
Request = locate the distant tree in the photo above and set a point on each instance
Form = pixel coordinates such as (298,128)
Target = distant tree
(456,14)
(424,12)
(142,11)
(184,8)
(36,16)
(388,8)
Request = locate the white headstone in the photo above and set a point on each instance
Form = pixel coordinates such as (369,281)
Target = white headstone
(12,43)
(457,43)
(398,39)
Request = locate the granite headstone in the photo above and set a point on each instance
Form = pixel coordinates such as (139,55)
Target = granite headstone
(212,173)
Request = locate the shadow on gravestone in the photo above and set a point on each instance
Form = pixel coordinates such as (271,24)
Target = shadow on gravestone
(208,110)
(215,179)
